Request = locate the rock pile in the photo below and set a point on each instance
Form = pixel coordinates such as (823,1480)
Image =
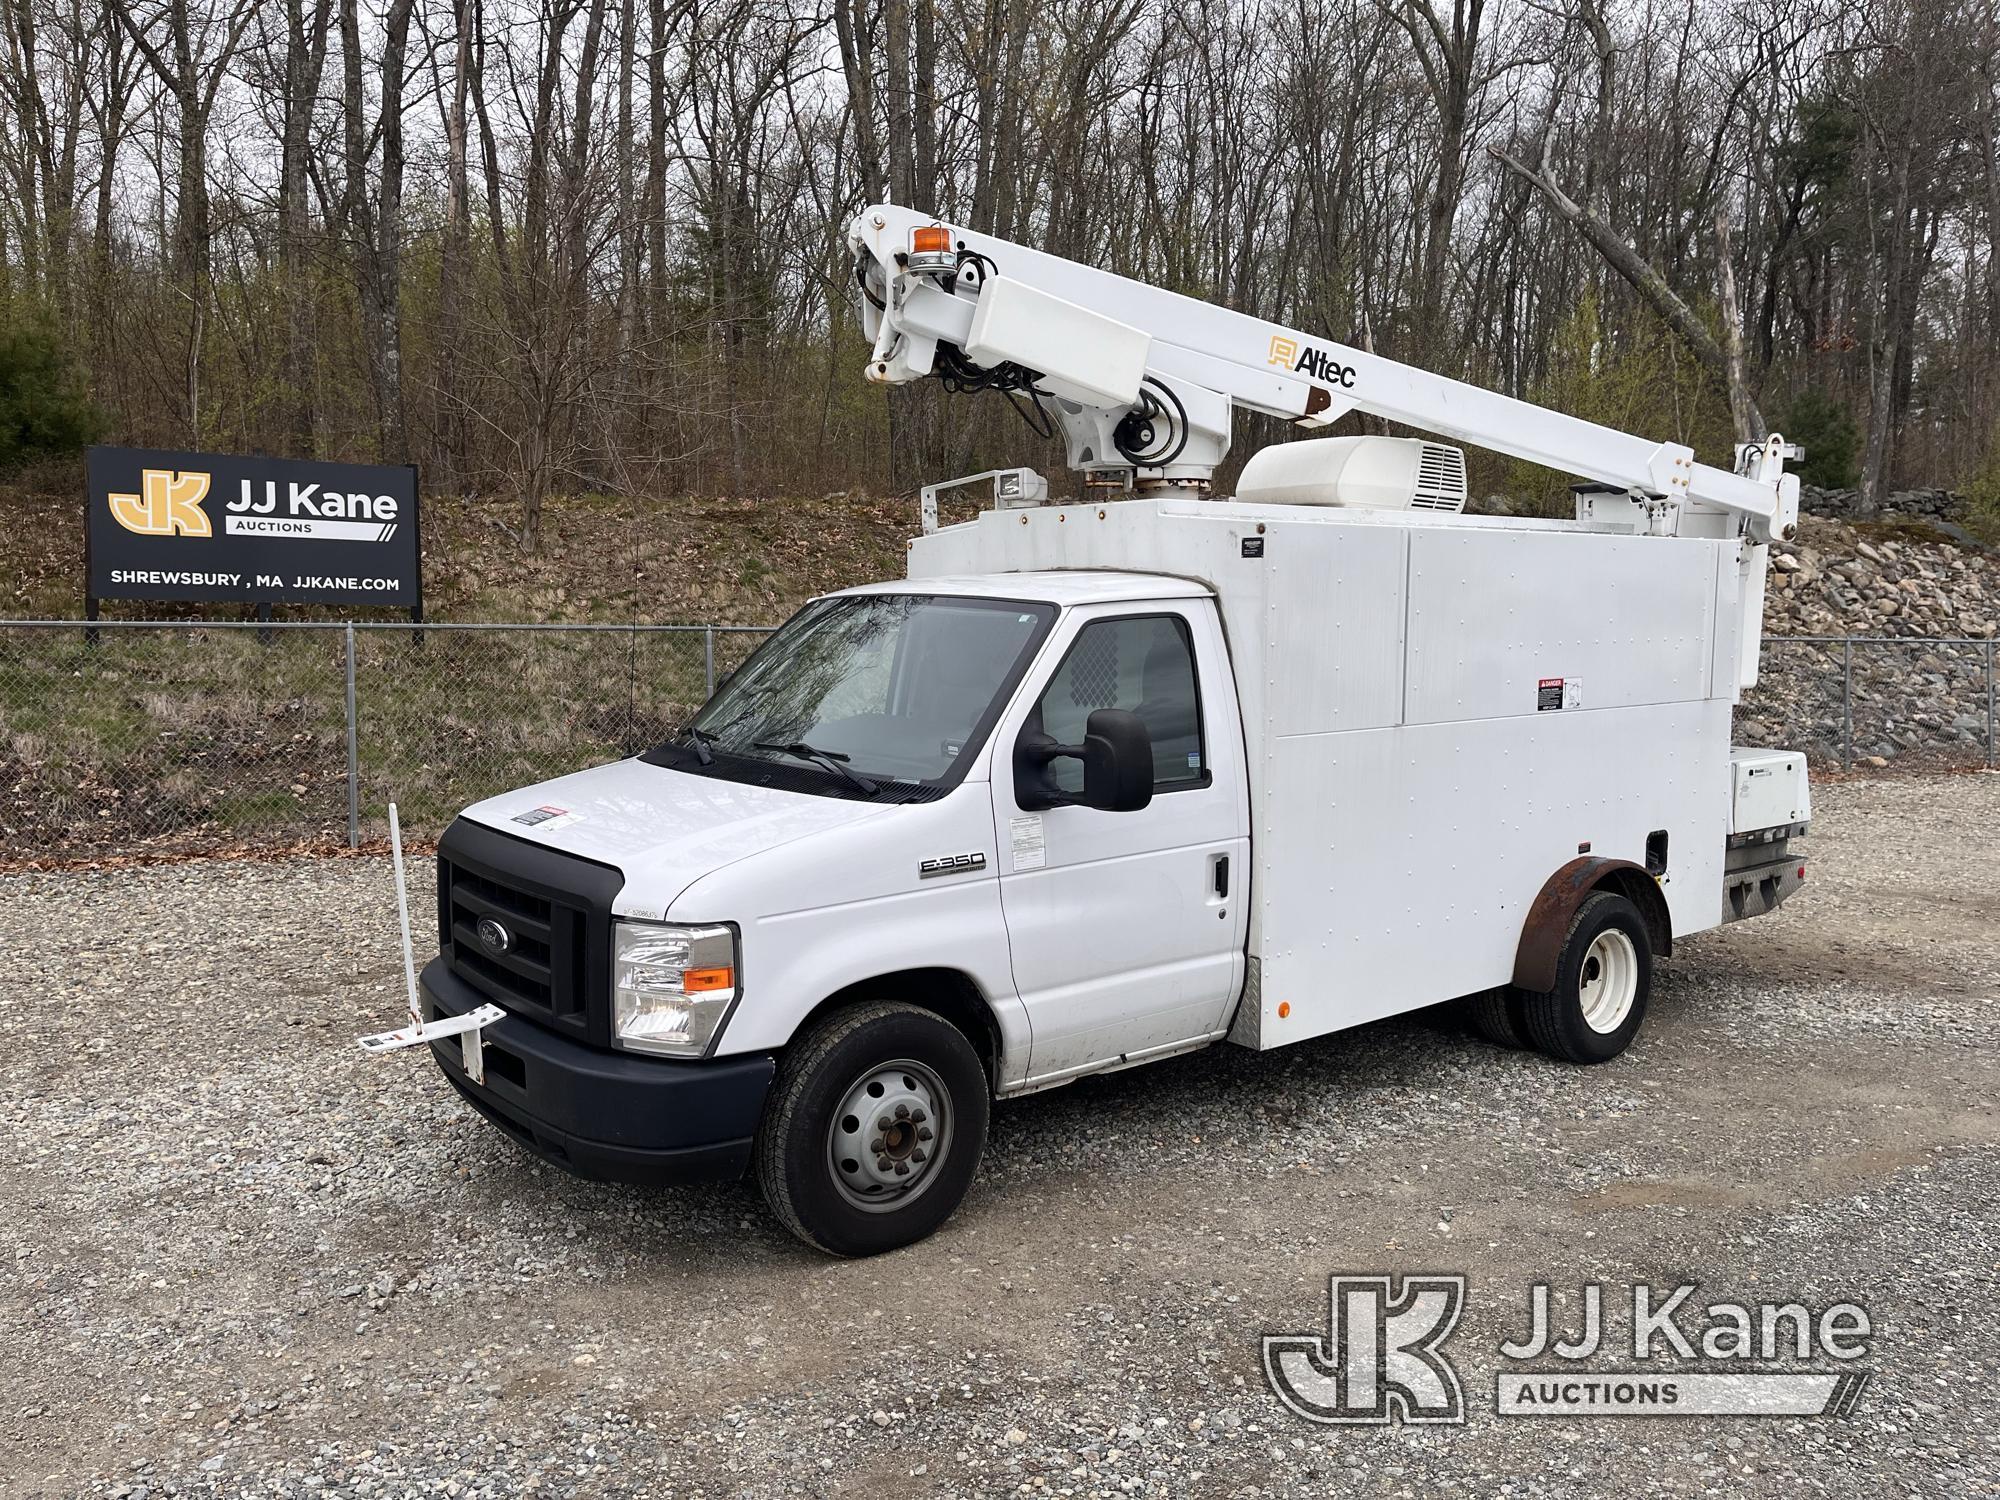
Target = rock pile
(1847,505)
(1912,698)
(1834,581)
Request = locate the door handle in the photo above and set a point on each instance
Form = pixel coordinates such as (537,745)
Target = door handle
(1222,876)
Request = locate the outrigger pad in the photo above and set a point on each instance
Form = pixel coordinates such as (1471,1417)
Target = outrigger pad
(468,1025)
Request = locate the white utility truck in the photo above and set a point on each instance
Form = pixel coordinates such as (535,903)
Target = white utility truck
(1105,781)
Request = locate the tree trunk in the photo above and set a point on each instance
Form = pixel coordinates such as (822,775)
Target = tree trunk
(359,215)
(924,191)
(395,434)
(450,415)
(305,61)
(1885,351)
(628,195)
(850,17)
(656,166)
(902,160)
(1743,413)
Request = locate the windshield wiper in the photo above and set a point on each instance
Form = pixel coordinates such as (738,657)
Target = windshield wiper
(833,760)
(701,739)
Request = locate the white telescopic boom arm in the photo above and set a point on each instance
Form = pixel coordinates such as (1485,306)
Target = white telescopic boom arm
(1270,368)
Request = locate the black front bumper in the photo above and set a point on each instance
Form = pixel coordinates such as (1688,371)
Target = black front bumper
(611,1116)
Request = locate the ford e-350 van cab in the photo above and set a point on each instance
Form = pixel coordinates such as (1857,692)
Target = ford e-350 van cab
(1098,785)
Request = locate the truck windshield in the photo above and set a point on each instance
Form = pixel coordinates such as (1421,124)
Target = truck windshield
(890,687)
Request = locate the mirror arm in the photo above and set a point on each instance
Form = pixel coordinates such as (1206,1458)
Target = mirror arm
(1038,754)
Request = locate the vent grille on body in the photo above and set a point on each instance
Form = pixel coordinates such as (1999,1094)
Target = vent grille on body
(1440,479)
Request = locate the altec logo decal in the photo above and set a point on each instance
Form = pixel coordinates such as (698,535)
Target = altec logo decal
(1306,360)
(168,503)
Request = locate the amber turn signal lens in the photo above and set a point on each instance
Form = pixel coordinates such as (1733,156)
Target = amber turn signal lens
(930,239)
(701,981)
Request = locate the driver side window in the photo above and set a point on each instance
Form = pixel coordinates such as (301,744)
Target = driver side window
(1144,663)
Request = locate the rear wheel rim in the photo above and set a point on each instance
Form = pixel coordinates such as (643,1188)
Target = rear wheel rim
(1608,984)
(889,1135)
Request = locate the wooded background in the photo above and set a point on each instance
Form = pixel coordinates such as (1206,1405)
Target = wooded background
(554,246)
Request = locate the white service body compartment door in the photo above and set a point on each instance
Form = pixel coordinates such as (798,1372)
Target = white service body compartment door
(1127,928)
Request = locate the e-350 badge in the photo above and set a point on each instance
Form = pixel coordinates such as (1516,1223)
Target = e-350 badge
(951,864)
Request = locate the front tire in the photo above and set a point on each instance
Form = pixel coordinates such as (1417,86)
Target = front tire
(874,1129)
(1603,980)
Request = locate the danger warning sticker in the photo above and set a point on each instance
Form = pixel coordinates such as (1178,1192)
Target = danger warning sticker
(1557,693)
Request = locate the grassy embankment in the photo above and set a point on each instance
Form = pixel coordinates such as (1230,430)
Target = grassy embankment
(199,739)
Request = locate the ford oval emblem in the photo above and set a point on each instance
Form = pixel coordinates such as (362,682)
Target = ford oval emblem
(494,936)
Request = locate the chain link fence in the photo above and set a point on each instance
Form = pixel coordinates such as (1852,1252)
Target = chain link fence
(139,738)
(1915,702)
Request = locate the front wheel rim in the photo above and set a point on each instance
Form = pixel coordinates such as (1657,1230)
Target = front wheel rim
(1608,984)
(889,1135)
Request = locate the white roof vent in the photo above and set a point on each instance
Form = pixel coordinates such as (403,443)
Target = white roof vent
(1372,473)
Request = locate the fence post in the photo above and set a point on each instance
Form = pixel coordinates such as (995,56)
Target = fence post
(708,660)
(1847,705)
(353,754)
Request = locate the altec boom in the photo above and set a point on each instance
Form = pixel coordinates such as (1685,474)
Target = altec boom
(1108,346)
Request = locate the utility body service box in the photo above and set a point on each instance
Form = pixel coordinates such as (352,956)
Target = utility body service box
(1437,713)
(1767,789)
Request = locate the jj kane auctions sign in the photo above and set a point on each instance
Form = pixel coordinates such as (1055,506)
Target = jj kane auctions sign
(211,527)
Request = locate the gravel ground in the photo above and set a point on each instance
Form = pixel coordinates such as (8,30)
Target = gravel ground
(239,1257)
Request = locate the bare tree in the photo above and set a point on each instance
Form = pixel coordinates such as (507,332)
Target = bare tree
(540,245)
(191,60)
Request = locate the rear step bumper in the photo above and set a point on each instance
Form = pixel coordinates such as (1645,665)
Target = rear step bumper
(1751,890)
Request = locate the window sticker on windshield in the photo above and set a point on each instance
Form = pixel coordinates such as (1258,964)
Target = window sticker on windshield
(1194,760)
(1027,839)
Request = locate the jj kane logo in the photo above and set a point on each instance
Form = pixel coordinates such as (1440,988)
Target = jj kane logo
(168,504)
(1303,359)
(1383,1357)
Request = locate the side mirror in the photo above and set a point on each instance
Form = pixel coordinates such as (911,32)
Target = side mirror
(1117,756)
(1117,761)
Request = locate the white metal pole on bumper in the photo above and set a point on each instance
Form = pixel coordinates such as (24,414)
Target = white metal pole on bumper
(468,1025)
(403,917)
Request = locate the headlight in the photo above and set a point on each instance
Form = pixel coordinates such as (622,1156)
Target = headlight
(671,986)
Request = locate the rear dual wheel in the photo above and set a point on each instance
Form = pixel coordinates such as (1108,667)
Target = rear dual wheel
(1604,977)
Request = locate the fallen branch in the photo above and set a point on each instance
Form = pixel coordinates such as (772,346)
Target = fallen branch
(1643,277)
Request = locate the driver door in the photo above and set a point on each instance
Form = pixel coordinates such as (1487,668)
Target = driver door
(1127,928)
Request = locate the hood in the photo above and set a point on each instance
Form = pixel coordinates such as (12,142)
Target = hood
(663,829)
